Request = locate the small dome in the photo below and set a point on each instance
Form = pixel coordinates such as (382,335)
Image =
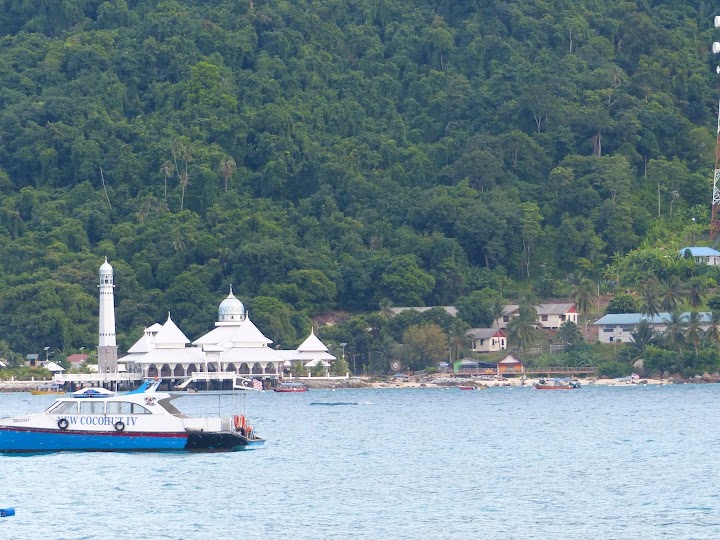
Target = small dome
(231,309)
(106,268)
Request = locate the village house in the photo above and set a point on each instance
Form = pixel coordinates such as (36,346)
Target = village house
(618,327)
(550,316)
(485,340)
(703,255)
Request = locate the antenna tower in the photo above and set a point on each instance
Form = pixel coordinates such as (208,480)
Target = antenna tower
(715,216)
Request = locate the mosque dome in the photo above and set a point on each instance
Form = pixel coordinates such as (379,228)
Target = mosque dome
(106,268)
(231,309)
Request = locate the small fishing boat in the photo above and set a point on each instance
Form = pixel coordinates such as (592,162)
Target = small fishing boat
(291,387)
(557,384)
(48,389)
(463,387)
(142,420)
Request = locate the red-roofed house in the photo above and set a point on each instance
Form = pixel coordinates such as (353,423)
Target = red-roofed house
(77,360)
(487,339)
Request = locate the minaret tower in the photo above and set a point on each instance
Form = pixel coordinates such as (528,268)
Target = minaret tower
(107,346)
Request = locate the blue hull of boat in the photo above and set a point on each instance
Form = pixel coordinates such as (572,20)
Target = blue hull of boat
(27,441)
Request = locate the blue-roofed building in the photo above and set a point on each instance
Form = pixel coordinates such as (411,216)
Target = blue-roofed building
(703,255)
(617,327)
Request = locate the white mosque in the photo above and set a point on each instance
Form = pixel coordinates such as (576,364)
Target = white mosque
(234,348)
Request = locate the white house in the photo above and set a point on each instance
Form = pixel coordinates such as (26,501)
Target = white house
(618,327)
(487,339)
(550,316)
(703,255)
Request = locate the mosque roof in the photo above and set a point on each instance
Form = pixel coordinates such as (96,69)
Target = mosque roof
(312,344)
(230,306)
(245,334)
(142,345)
(309,355)
(105,268)
(250,355)
(170,336)
(158,357)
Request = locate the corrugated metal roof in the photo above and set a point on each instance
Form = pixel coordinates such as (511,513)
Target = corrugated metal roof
(700,251)
(635,318)
(484,333)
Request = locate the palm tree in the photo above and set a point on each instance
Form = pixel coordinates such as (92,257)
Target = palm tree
(583,294)
(693,331)
(642,336)
(675,331)
(457,339)
(522,330)
(569,333)
(168,169)
(650,303)
(671,294)
(386,308)
(696,293)
(497,309)
(712,334)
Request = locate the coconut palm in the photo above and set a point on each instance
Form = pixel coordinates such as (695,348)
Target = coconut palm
(523,330)
(675,331)
(693,331)
(671,292)
(642,336)
(457,339)
(386,308)
(650,301)
(497,308)
(696,293)
(568,333)
(583,294)
(712,333)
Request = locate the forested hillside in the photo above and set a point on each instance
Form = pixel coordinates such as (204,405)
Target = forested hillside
(330,155)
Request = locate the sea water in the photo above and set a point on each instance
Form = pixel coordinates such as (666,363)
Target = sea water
(505,463)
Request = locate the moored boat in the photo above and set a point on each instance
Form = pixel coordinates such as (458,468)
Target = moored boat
(48,389)
(146,421)
(557,384)
(291,387)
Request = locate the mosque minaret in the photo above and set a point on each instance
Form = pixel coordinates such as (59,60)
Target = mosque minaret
(107,345)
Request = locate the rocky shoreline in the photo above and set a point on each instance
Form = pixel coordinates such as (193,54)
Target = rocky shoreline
(434,381)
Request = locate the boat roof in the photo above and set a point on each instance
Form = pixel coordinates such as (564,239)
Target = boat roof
(93,392)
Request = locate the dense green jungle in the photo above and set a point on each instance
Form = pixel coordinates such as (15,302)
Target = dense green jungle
(330,159)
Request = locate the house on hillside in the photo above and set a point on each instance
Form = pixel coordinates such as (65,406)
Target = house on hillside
(550,316)
(485,340)
(703,255)
(618,327)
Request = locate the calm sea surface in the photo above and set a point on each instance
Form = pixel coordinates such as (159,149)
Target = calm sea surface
(597,463)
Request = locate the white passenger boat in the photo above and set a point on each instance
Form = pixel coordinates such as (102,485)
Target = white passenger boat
(143,420)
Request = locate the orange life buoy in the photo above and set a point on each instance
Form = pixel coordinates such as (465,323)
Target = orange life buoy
(237,422)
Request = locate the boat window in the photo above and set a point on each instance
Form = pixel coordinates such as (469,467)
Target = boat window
(67,407)
(139,409)
(92,407)
(119,407)
(126,407)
